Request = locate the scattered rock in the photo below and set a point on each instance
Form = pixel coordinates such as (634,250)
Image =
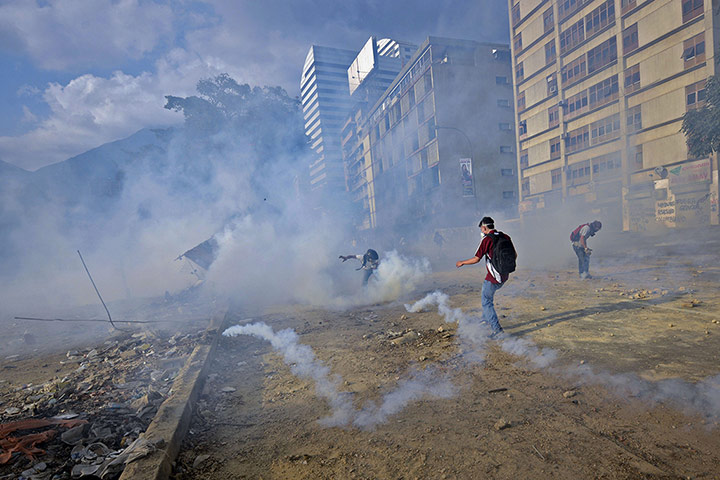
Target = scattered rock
(569,393)
(502,424)
(199,460)
(228,389)
(410,336)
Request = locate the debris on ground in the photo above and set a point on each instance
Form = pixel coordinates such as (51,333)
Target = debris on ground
(89,422)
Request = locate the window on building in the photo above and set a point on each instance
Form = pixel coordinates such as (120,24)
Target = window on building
(548,20)
(638,158)
(695,95)
(577,139)
(523,159)
(508,194)
(627,5)
(427,79)
(599,18)
(519,72)
(553,116)
(550,53)
(572,36)
(568,7)
(525,187)
(691,9)
(506,172)
(579,173)
(411,97)
(521,101)
(602,55)
(421,111)
(522,128)
(630,39)
(603,92)
(552,85)
(517,43)
(556,177)
(434,176)
(504,126)
(505,149)
(604,130)
(607,166)
(576,105)
(694,50)
(634,119)
(554,148)
(574,70)
(503,102)
(632,78)
(432,132)
(515,14)
(501,80)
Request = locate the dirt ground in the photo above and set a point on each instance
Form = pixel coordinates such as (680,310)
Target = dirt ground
(637,322)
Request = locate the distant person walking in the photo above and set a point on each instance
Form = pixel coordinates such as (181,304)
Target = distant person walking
(500,256)
(370,262)
(579,238)
(438,239)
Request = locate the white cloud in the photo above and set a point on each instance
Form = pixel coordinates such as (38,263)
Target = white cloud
(28,117)
(64,34)
(91,110)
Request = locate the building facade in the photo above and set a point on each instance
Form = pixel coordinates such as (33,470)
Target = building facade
(326,103)
(601,87)
(437,148)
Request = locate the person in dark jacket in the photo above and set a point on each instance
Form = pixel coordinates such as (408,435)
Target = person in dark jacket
(370,262)
(579,238)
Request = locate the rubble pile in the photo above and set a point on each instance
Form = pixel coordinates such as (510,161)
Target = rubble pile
(88,423)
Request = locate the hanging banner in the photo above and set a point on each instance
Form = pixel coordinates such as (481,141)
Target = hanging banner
(467,177)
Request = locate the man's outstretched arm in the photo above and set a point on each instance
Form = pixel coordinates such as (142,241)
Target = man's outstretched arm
(469,261)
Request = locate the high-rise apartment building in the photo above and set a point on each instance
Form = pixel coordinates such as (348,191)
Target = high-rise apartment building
(326,103)
(437,148)
(601,87)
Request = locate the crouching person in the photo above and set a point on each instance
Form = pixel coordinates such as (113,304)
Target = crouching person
(370,261)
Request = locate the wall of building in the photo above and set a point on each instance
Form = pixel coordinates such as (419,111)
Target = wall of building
(626,74)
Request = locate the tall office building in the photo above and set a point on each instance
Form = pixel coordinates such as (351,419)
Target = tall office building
(325,97)
(601,87)
(436,148)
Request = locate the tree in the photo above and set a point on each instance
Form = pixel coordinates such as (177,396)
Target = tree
(266,117)
(702,126)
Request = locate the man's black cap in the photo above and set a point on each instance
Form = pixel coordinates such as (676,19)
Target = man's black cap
(486,221)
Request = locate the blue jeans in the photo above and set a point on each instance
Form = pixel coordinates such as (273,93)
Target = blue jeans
(583,260)
(367,273)
(489,313)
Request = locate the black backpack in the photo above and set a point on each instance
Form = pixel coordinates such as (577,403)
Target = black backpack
(503,254)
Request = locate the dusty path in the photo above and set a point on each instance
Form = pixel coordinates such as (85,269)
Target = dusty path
(637,324)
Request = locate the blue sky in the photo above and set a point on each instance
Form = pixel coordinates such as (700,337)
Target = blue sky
(80,73)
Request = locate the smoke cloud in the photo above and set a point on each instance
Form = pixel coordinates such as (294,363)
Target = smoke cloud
(304,364)
(693,398)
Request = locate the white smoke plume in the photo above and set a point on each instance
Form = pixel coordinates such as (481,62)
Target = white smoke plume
(693,398)
(396,276)
(303,363)
(422,383)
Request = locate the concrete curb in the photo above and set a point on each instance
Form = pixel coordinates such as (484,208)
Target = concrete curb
(167,430)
